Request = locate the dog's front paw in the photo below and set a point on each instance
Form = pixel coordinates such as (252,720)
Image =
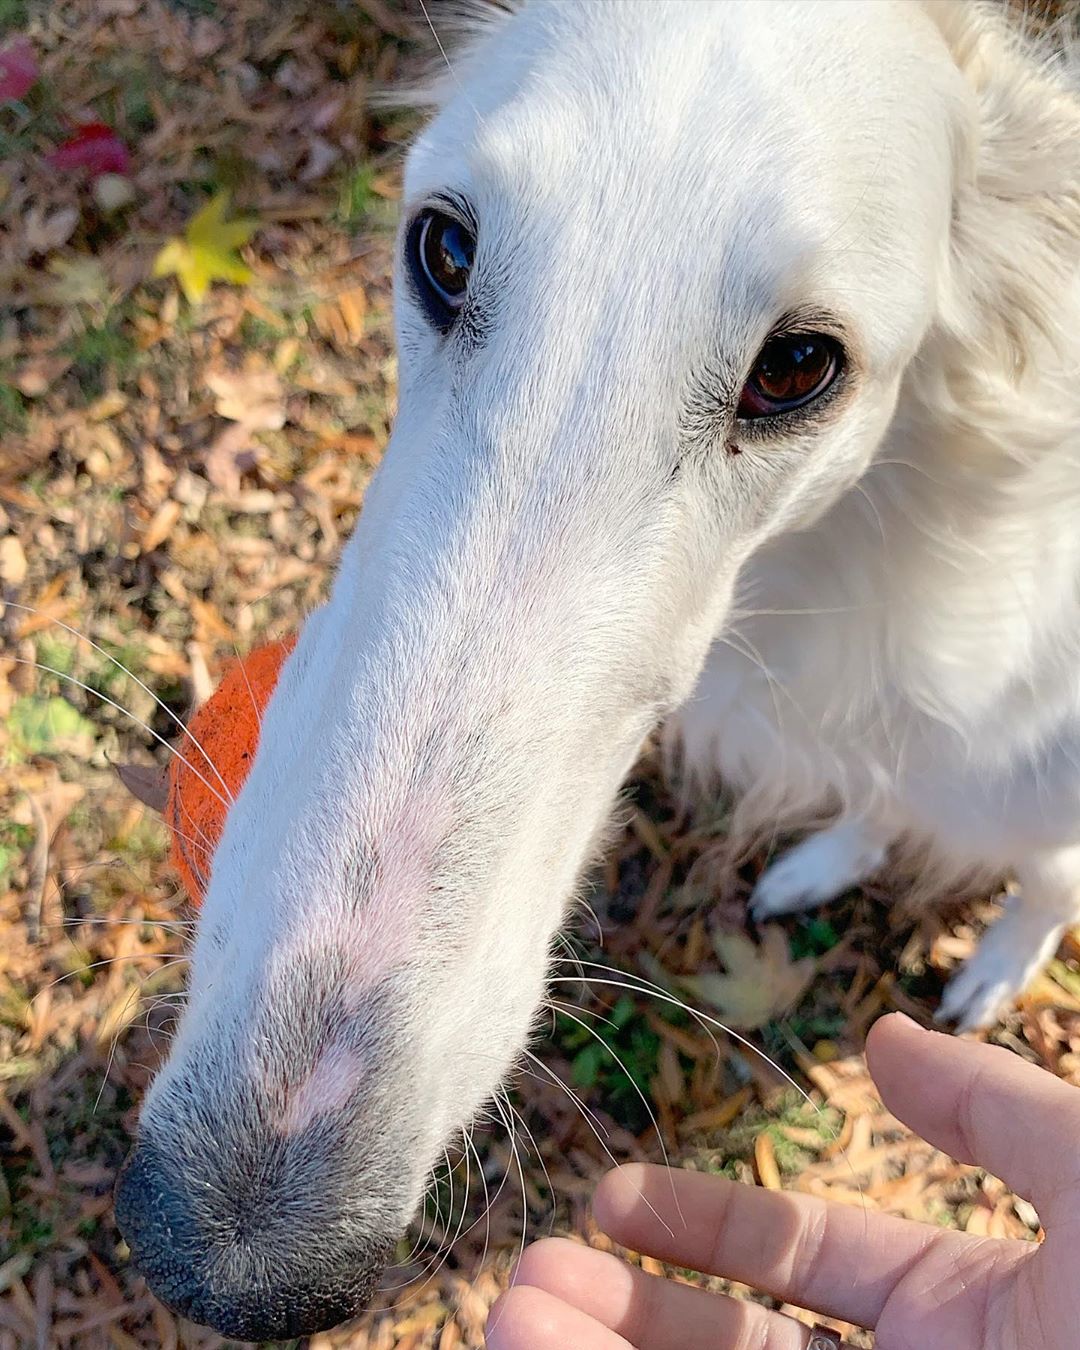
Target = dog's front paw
(977,996)
(1008,958)
(816,871)
(786,888)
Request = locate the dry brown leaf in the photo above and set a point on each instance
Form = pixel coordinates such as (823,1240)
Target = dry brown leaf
(46,231)
(251,396)
(56,801)
(230,455)
(717,1117)
(12,561)
(37,377)
(161,526)
(768,1169)
(148,784)
(120,1014)
(353,306)
(253,400)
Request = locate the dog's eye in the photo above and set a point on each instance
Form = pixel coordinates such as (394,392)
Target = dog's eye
(791,370)
(441,251)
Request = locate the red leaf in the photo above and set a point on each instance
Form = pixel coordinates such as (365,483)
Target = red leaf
(18,69)
(95,147)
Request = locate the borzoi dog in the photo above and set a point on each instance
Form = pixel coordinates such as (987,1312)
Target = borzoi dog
(740,381)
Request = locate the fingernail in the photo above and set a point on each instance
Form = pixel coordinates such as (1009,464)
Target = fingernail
(908,1021)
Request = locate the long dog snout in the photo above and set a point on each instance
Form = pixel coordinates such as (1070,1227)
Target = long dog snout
(241,1264)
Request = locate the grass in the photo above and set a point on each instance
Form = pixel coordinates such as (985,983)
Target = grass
(813,937)
(613,1058)
(359,204)
(259,335)
(15,839)
(145,843)
(12,407)
(197,8)
(14,14)
(102,354)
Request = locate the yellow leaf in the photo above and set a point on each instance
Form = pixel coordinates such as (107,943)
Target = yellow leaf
(207,251)
(761,982)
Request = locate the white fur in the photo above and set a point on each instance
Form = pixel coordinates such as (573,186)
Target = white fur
(875,614)
(819,869)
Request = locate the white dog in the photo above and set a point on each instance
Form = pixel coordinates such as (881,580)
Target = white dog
(739,375)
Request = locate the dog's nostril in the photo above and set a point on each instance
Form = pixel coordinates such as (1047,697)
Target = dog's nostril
(267,1290)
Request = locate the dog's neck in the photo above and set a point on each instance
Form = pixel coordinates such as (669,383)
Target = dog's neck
(973,501)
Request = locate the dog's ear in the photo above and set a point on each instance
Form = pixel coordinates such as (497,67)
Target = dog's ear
(1015,244)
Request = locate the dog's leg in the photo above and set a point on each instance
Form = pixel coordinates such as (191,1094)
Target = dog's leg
(820,868)
(1019,944)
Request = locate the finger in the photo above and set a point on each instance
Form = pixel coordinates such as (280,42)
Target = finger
(981,1104)
(653,1313)
(836,1259)
(526,1318)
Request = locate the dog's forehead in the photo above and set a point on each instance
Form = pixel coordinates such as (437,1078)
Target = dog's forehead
(563,83)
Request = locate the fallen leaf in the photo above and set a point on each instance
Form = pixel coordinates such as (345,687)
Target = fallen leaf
(121,1013)
(38,375)
(161,526)
(761,981)
(94,147)
(56,801)
(108,405)
(765,1161)
(353,306)
(252,399)
(207,251)
(12,561)
(147,784)
(48,230)
(251,396)
(18,69)
(81,280)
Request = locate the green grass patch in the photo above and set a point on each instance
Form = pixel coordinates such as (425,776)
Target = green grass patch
(813,937)
(56,651)
(15,842)
(199,8)
(739,1139)
(260,336)
(115,664)
(146,842)
(614,1056)
(14,1001)
(12,404)
(49,726)
(100,352)
(77,964)
(358,201)
(809,1023)
(13,14)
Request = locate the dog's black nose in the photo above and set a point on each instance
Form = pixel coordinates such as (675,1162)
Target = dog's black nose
(251,1272)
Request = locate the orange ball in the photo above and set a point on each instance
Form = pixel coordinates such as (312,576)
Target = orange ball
(213,759)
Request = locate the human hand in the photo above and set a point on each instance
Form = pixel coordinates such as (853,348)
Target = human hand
(920,1287)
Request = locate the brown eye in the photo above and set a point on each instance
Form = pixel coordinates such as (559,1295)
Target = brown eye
(441,252)
(791,370)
